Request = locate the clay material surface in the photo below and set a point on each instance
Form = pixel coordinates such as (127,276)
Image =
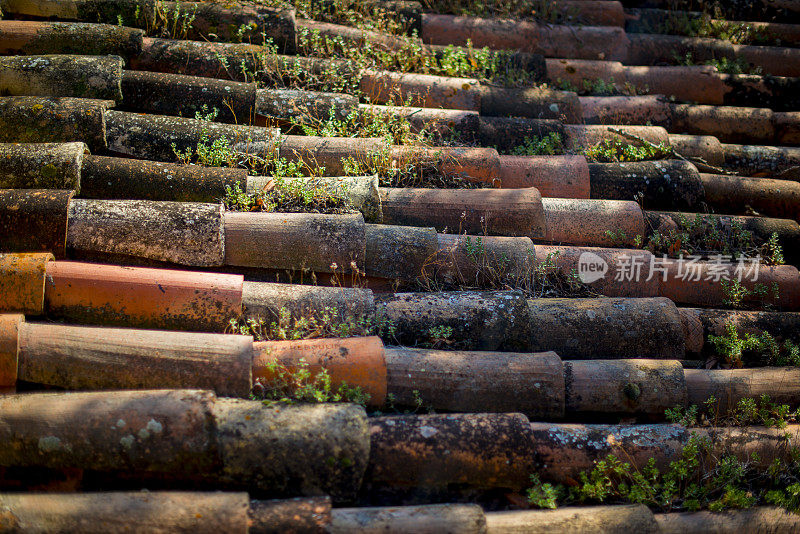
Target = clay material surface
(34,220)
(40,37)
(147,512)
(480,320)
(355,362)
(399,252)
(462,381)
(22,278)
(312,449)
(177,232)
(97,77)
(92,293)
(301,515)
(607,519)
(41,165)
(569,449)
(9,345)
(319,242)
(152,136)
(77,357)
(624,386)
(156,431)
(266,300)
(607,328)
(121,178)
(762,518)
(434,451)
(178,94)
(430,519)
(34,119)
(507,212)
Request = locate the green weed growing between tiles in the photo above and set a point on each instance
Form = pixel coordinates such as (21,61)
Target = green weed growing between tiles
(705,236)
(617,151)
(734,349)
(701,478)
(301,384)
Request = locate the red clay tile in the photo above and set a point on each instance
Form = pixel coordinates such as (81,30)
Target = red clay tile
(319,242)
(639,386)
(141,297)
(43,213)
(589,221)
(9,348)
(42,165)
(90,358)
(45,37)
(460,381)
(356,362)
(553,176)
(23,277)
(168,510)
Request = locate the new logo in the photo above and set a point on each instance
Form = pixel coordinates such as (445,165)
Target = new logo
(591,267)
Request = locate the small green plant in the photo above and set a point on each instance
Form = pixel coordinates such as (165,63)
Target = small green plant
(730,346)
(216,153)
(409,169)
(710,25)
(357,13)
(734,293)
(616,150)
(270,69)
(288,196)
(169,21)
(549,280)
(543,494)
(733,349)
(737,295)
(320,324)
(761,411)
(300,383)
(600,87)
(699,479)
(566,85)
(549,145)
(438,337)
(220,153)
(709,236)
(703,477)
(619,239)
(733,32)
(409,55)
(737,65)
(416,405)
(542,10)
(395,129)
(788,498)
(412,168)
(772,251)
(488,269)
(689,416)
